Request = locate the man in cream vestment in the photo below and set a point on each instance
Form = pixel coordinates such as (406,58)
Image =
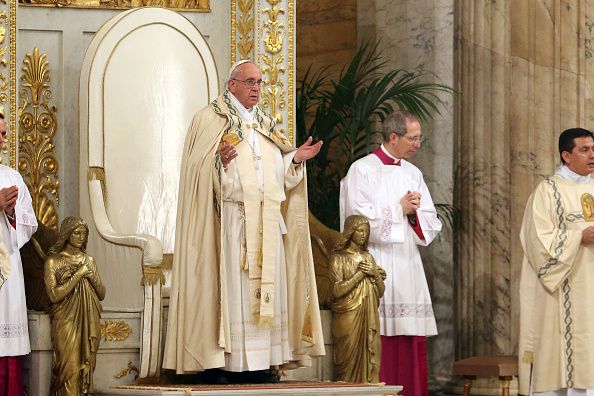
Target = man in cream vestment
(243,294)
(556,352)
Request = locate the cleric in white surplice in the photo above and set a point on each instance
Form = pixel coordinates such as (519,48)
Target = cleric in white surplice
(17,224)
(391,193)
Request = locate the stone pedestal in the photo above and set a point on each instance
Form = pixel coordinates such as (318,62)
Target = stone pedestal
(38,365)
(117,359)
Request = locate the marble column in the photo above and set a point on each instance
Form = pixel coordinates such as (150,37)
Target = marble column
(523,73)
(326,35)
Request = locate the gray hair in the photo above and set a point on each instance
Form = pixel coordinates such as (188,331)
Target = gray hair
(396,123)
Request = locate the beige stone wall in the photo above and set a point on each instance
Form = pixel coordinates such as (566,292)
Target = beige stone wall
(326,34)
(524,73)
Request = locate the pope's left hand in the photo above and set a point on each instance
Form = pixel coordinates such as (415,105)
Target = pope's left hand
(307,150)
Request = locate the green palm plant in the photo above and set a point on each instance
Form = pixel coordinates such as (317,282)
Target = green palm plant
(344,114)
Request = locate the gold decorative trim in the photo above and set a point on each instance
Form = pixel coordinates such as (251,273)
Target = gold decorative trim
(273,93)
(291,71)
(167,261)
(37,127)
(127,370)
(242,27)
(96,173)
(12,80)
(233,30)
(115,330)
(176,5)
(3,65)
(152,275)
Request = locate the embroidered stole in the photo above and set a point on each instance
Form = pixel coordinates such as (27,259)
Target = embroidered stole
(261,208)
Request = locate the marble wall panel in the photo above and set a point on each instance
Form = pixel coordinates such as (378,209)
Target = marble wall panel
(544,32)
(326,34)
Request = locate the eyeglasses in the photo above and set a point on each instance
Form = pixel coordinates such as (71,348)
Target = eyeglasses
(249,83)
(415,139)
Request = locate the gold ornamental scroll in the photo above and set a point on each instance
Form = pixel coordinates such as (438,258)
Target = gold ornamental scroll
(117,330)
(264,30)
(275,52)
(177,5)
(8,84)
(242,30)
(37,127)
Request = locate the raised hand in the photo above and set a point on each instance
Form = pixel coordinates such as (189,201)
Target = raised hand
(307,150)
(227,153)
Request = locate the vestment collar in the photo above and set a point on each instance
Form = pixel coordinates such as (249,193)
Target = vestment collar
(246,114)
(262,122)
(385,157)
(566,173)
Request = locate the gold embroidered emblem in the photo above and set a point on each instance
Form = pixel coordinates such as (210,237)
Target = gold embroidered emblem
(588,206)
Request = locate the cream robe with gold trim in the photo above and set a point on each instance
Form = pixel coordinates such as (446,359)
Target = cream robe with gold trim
(557,289)
(198,330)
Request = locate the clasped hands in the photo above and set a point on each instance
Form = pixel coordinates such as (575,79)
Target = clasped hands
(8,197)
(304,152)
(588,235)
(410,202)
(371,270)
(86,271)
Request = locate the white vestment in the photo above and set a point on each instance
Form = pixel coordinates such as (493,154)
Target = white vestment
(254,347)
(14,334)
(374,190)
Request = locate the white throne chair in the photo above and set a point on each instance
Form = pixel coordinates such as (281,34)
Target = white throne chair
(143,77)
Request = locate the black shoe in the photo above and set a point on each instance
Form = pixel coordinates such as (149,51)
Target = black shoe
(262,377)
(217,377)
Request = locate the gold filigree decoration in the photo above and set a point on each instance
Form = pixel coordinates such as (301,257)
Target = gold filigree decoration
(115,330)
(291,71)
(178,5)
(242,23)
(37,128)
(12,10)
(3,74)
(127,370)
(273,93)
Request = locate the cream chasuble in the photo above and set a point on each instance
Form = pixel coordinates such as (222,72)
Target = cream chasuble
(556,286)
(243,295)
